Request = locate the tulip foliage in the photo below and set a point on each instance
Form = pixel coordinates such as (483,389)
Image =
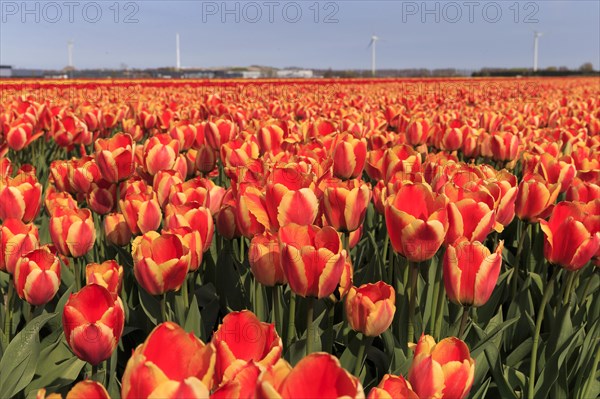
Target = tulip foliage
(281,239)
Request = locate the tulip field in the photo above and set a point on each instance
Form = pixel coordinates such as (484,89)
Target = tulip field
(433,238)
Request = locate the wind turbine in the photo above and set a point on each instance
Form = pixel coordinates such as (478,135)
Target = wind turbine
(178,54)
(372,45)
(536,37)
(70,52)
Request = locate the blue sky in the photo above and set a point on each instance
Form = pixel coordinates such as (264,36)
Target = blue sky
(462,34)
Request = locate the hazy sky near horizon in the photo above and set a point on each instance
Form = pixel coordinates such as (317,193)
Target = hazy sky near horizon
(313,34)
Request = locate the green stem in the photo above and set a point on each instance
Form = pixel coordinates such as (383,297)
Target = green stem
(163,307)
(568,287)
(593,372)
(587,285)
(8,315)
(310,328)
(436,292)
(414,274)
(275,315)
(328,334)
(242,255)
(291,329)
(439,313)
(386,243)
(538,327)
(463,321)
(390,272)
(184,290)
(360,359)
(515,278)
(77,273)
(27,311)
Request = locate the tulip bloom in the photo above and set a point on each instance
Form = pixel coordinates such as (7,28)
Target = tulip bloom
(346,205)
(349,156)
(16,239)
(318,375)
(505,146)
(568,241)
(469,218)
(72,231)
(194,216)
(312,259)
(37,276)
(393,387)
(21,196)
(116,230)
(535,198)
(370,308)
(471,272)
(264,258)
(444,370)
(141,211)
(164,181)
(242,337)
(416,221)
(93,321)
(88,389)
(160,262)
(191,240)
(108,274)
(184,370)
(160,153)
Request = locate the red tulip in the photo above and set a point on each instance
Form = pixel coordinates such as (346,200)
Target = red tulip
(72,231)
(240,383)
(164,181)
(505,146)
(418,132)
(393,387)
(312,259)
(535,198)
(192,215)
(16,239)
(88,389)
(160,153)
(160,262)
(108,274)
(192,240)
(349,156)
(242,337)
(184,370)
(568,242)
(444,370)
(37,276)
(370,308)
(471,272)
(416,221)
(93,321)
(58,199)
(469,218)
(141,211)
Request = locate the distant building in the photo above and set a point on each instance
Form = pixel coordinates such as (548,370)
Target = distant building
(5,71)
(294,73)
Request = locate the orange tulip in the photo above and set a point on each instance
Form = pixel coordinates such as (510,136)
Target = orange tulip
(37,276)
(115,157)
(93,321)
(141,211)
(20,196)
(370,308)
(568,241)
(72,231)
(192,215)
(416,221)
(505,146)
(345,204)
(264,259)
(88,389)
(393,387)
(116,230)
(469,218)
(160,153)
(108,274)
(160,262)
(444,370)
(471,272)
(349,156)
(184,370)
(58,199)
(192,240)
(535,198)
(312,259)
(16,239)
(242,337)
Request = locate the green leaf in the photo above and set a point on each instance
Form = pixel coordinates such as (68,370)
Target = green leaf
(19,362)
(193,321)
(151,306)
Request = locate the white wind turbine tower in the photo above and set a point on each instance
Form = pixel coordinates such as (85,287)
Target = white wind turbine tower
(178,54)
(70,52)
(372,45)
(536,37)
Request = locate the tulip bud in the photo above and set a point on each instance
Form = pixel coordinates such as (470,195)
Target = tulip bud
(21,196)
(160,262)
(108,274)
(370,308)
(93,321)
(88,389)
(444,370)
(264,258)
(349,156)
(471,272)
(535,198)
(141,211)
(346,205)
(160,153)
(37,276)
(393,387)
(72,231)
(116,230)
(16,239)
